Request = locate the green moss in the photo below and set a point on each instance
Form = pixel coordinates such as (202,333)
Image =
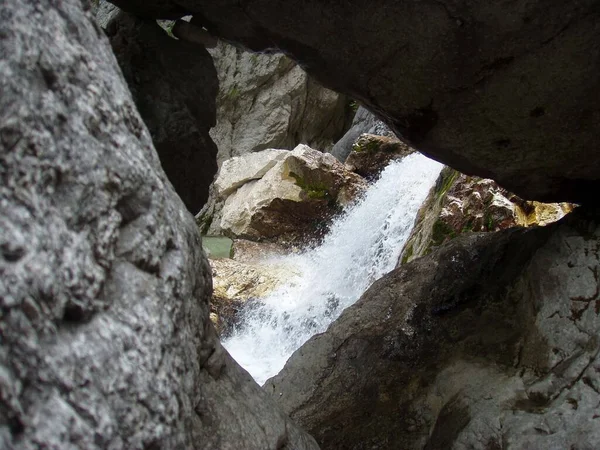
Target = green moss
(370,146)
(488,221)
(407,254)
(233,93)
(314,191)
(467,227)
(445,181)
(204,222)
(441,232)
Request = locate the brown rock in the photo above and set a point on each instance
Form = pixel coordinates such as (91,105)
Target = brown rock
(460,204)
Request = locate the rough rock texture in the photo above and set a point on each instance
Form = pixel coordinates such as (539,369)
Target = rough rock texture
(267,101)
(459,204)
(364,122)
(174,85)
(371,154)
(104,12)
(106,341)
(291,202)
(236,283)
(489,342)
(503,93)
(236,172)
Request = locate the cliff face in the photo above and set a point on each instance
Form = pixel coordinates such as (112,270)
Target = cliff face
(267,101)
(104,288)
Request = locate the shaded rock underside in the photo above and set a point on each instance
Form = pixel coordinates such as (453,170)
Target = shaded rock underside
(503,93)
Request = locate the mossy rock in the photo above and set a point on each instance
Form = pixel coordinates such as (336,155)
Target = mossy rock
(441,233)
(408,253)
(369,146)
(204,222)
(318,191)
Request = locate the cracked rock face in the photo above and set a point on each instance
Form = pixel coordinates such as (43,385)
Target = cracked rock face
(491,341)
(267,101)
(106,341)
(503,93)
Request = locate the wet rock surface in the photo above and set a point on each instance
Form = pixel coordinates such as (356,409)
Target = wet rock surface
(491,341)
(236,283)
(104,289)
(174,85)
(503,94)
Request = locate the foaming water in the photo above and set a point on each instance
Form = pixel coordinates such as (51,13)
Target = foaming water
(362,245)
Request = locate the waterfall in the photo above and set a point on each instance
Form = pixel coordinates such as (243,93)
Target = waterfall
(363,244)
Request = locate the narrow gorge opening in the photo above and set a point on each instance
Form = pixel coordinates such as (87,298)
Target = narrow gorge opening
(486,333)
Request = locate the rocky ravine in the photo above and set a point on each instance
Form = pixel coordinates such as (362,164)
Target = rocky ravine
(504,93)
(106,339)
(267,101)
(489,342)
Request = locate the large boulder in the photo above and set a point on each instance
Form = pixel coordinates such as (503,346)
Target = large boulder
(491,342)
(174,85)
(279,195)
(503,93)
(267,101)
(104,289)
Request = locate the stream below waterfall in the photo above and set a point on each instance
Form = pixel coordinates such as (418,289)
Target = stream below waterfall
(363,244)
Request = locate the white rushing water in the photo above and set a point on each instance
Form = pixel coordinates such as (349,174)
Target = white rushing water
(361,246)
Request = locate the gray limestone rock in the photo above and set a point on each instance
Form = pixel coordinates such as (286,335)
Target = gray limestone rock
(489,342)
(503,93)
(267,101)
(364,122)
(105,336)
